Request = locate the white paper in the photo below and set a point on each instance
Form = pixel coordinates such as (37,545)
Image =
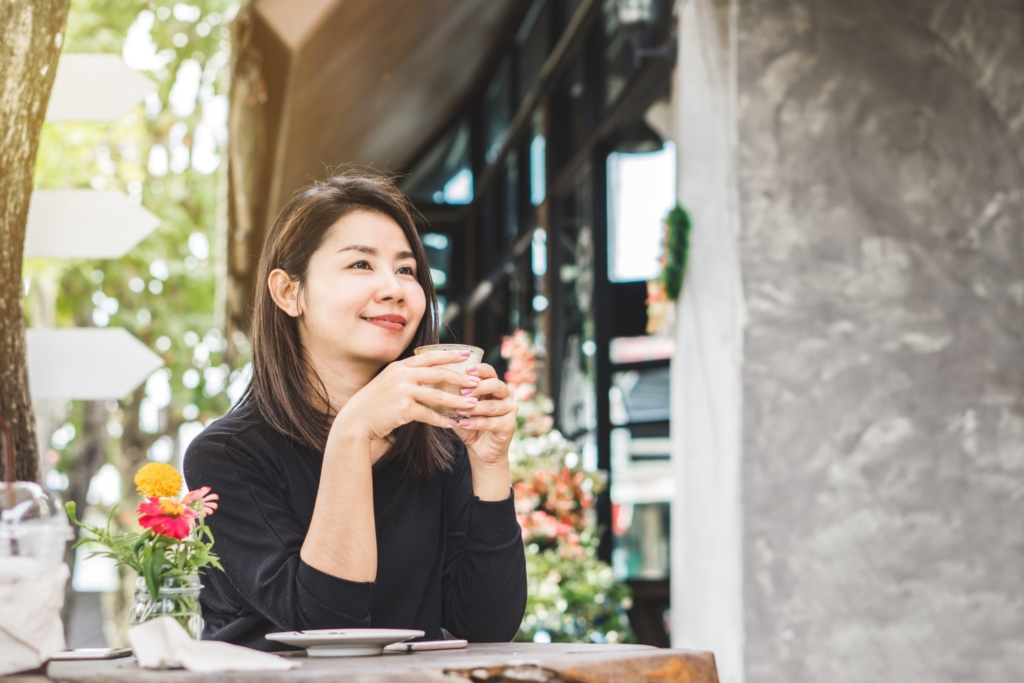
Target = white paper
(163,643)
(30,626)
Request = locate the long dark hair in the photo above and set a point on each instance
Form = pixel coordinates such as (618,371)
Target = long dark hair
(285,388)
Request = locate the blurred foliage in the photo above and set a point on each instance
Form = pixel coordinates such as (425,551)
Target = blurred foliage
(572,596)
(163,291)
(675,249)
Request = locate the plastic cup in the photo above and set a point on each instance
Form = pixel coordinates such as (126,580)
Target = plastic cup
(476,354)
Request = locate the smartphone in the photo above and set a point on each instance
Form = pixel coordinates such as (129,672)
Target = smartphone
(422,645)
(92,653)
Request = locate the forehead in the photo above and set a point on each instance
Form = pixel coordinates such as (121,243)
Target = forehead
(368,228)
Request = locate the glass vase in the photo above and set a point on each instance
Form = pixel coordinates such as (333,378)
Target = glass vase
(178,597)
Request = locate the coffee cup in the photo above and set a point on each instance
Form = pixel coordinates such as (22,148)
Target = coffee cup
(476,354)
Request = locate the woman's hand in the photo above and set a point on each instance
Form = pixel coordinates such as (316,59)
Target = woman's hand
(341,540)
(487,427)
(397,396)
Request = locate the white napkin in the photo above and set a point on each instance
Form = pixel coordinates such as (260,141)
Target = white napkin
(31,597)
(163,642)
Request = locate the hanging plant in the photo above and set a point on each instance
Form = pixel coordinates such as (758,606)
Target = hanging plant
(677,244)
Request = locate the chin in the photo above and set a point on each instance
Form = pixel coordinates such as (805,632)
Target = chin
(385,352)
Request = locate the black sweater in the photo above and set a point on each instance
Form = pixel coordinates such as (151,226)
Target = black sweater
(444,557)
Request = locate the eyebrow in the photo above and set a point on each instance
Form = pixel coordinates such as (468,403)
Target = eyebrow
(373,252)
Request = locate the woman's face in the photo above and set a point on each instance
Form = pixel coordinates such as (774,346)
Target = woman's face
(361,300)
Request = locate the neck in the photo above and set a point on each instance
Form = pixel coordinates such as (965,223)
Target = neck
(342,378)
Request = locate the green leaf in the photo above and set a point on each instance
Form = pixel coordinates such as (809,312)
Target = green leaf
(152,567)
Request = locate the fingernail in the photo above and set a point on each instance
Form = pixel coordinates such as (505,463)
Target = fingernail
(474,380)
(465,354)
(453,422)
(471,368)
(464,423)
(467,391)
(470,400)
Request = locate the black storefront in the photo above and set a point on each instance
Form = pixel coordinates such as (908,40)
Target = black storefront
(516,194)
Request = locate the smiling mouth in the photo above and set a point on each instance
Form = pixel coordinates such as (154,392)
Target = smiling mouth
(385,323)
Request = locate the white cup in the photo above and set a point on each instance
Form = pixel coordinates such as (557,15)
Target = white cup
(476,354)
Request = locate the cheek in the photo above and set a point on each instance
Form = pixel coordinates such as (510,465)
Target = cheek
(328,299)
(416,299)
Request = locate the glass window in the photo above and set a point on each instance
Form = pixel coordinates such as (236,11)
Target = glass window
(640,533)
(515,297)
(642,486)
(443,175)
(458,189)
(572,121)
(539,253)
(638,349)
(577,400)
(534,40)
(618,53)
(442,303)
(498,110)
(439,256)
(512,196)
(538,160)
(641,192)
(539,267)
(566,9)
(640,396)
(490,237)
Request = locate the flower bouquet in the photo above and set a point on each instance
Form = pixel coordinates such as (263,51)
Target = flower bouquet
(168,555)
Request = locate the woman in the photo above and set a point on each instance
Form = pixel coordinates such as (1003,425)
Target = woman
(344,500)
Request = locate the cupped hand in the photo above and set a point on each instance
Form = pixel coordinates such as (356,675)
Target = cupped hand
(487,427)
(400,394)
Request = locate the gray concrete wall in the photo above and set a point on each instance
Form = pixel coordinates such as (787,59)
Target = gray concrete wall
(881,195)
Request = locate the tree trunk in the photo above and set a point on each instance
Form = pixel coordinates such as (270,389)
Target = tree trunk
(31,33)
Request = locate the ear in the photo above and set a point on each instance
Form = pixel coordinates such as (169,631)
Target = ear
(285,292)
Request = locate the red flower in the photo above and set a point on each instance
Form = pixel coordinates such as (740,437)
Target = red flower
(166,517)
(201,500)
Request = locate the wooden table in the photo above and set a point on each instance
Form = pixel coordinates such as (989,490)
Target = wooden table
(490,662)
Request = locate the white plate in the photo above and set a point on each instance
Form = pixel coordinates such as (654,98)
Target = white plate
(344,642)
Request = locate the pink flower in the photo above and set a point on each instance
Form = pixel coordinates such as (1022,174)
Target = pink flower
(201,500)
(166,517)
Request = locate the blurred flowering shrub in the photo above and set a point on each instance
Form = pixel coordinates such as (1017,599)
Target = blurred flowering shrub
(573,596)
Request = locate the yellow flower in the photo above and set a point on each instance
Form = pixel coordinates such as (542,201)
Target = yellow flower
(158,480)
(172,509)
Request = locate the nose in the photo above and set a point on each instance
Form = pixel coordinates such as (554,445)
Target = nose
(390,288)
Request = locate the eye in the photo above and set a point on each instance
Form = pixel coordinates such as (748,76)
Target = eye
(410,270)
(357,264)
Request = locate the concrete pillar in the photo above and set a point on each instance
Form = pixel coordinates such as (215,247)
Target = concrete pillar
(850,458)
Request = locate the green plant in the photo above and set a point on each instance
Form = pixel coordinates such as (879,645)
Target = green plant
(677,245)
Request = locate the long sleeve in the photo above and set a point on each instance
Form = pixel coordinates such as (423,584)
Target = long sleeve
(258,536)
(484,579)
